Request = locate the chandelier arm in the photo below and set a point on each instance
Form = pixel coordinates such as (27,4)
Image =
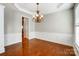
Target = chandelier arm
(38,17)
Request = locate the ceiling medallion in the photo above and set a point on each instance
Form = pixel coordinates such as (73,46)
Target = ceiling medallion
(38,17)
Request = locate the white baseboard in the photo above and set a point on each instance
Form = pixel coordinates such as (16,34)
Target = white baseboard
(2,50)
(61,38)
(32,35)
(76,49)
(12,38)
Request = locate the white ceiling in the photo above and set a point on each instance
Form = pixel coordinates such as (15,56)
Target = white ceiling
(45,8)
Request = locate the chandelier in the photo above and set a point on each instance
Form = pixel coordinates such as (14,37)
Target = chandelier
(38,17)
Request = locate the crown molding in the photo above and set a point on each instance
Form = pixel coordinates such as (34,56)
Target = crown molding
(21,9)
(2,6)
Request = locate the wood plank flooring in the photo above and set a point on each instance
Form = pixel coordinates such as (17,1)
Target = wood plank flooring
(44,48)
(39,47)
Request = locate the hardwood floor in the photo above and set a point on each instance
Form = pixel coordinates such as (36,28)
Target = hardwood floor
(39,47)
(44,48)
(17,49)
(13,50)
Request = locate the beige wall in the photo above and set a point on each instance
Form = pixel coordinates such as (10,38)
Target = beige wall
(12,25)
(60,22)
(13,21)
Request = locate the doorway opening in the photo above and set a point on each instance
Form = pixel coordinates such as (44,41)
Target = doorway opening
(25,40)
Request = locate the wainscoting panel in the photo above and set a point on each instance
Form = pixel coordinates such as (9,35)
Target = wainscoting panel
(61,38)
(32,35)
(12,38)
(2,49)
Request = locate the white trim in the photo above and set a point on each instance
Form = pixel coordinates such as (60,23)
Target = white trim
(12,38)
(60,38)
(2,50)
(32,35)
(76,49)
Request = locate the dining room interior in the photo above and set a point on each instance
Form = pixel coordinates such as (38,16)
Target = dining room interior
(39,29)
